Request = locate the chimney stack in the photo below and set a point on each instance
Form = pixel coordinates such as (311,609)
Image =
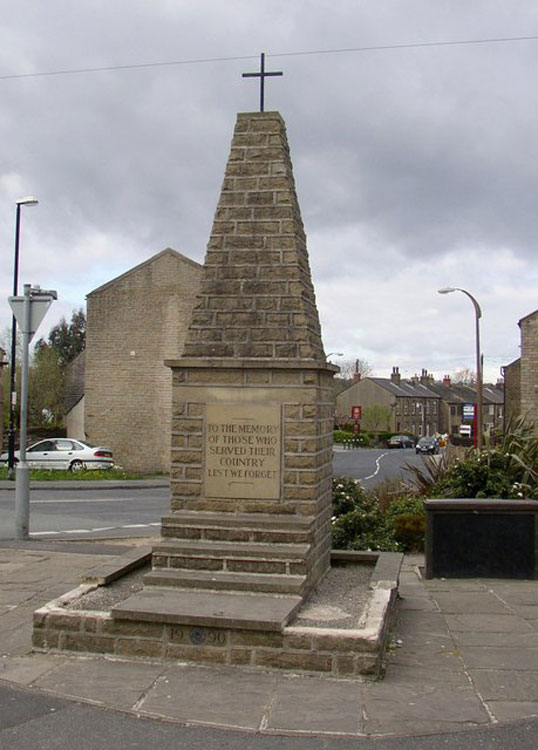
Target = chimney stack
(446,380)
(395,376)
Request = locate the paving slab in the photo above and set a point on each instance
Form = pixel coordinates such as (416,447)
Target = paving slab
(512,710)
(439,706)
(493,623)
(506,685)
(526,611)
(24,670)
(469,602)
(107,682)
(525,639)
(227,697)
(308,704)
(486,657)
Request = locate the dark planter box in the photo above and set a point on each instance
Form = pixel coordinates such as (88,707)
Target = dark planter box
(481,538)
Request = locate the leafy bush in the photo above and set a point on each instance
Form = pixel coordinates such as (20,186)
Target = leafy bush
(409,532)
(363,439)
(360,522)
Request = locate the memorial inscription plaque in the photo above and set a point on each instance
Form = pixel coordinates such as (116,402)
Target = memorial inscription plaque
(243,451)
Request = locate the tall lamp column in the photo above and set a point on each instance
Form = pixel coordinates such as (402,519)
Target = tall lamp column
(29,201)
(479,377)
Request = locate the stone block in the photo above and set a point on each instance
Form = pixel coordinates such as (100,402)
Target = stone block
(240,656)
(140,647)
(69,622)
(293,660)
(127,628)
(196,654)
(94,644)
(253,638)
(45,639)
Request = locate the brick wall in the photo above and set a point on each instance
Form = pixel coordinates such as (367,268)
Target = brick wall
(134,323)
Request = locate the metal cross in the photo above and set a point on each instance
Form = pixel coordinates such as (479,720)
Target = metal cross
(262,76)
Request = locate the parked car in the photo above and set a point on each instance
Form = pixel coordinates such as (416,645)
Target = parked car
(427,445)
(401,441)
(64,453)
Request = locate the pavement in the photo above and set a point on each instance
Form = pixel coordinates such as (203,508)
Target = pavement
(464,656)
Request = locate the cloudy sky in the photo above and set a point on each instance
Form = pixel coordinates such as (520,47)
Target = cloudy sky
(415,161)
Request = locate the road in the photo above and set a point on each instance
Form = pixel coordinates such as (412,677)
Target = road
(374,465)
(31,719)
(92,513)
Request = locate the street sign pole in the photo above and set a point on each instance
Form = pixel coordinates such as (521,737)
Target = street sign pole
(29,311)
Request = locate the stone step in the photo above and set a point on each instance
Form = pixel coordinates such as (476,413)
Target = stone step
(222,580)
(284,559)
(209,608)
(230,550)
(238,527)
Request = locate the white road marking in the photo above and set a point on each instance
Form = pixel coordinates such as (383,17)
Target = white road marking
(92,531)
(378,466)
(79,500)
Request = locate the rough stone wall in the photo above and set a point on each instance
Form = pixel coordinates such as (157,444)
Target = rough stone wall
(134,323)
(257,298)
(512,390)
(529,366)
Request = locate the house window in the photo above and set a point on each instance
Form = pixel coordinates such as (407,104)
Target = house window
(398,407)
(406,407)
(435,407)
(453,411)
(413,407)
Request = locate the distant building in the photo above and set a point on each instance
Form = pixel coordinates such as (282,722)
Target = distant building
(521,376)
(134,323)
(421,405)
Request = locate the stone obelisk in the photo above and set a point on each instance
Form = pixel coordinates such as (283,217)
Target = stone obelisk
(252,411)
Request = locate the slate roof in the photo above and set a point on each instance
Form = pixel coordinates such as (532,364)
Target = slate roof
(406,388)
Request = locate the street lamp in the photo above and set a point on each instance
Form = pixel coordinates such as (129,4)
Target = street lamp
(336,354)
(479,384)
(28,201)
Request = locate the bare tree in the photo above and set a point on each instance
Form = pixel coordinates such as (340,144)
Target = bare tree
(466,376)
(349,367)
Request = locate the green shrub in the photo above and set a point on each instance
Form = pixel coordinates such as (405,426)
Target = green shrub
(362,530)
(363,439)
(340,436)
(347,496)
(409,532)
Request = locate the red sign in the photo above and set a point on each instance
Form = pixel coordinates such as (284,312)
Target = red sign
(356,412)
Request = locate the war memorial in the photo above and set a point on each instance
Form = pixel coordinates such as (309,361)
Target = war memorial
(247,538)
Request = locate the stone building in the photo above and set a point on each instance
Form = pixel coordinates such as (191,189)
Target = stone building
(421,405)
(134,323)
(414,407)
(521,376)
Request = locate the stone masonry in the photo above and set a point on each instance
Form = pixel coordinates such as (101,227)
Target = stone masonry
(254,344)
(529,366)
(134,322)
(248,535)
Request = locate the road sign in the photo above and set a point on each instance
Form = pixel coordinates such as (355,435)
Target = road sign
(38,309)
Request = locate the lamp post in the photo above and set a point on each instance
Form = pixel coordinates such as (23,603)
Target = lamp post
(28,201)
(479,384)
(336,354)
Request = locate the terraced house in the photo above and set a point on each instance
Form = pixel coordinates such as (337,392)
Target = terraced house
(421,405)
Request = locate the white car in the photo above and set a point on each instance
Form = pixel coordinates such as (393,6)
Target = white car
(64,453)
